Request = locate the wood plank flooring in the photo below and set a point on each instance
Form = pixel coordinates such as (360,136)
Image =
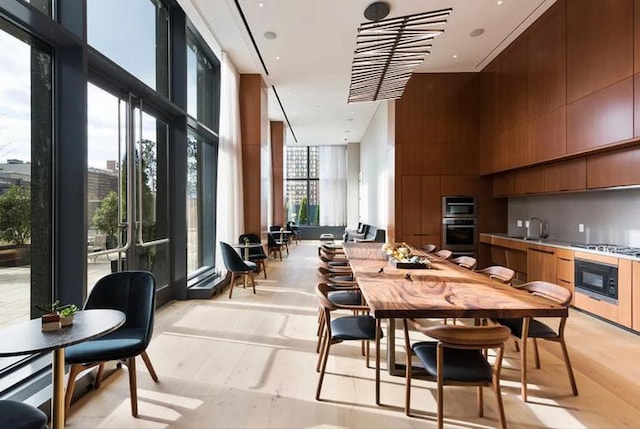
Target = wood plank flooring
(249,362)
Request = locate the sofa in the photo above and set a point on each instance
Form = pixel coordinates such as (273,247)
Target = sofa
(364,233)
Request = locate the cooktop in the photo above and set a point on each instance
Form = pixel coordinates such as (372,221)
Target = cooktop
(610,248)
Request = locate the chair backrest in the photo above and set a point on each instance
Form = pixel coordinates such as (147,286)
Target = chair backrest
(497,272)
(272,242)
(548,290)
(461,336)
(444,253)
(275,228)
(429,248)
(467,262)
(133,293)
(232,260)
(322,292)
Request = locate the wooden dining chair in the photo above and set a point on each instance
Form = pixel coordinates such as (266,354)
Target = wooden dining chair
(339,295)
(361,327)
(429,248)
(499,273)
(467,262)
(457,358)
(524,328)
(443,253)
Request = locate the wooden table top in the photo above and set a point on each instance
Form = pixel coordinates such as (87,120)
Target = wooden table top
(445,290)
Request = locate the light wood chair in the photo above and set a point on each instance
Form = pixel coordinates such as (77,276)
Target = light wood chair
(528,327)
(429,248)
(347,328)
(443,253)
(467,262)
(499,273)
(457,358)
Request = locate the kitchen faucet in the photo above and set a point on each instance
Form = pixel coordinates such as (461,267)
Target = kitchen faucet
(542,225)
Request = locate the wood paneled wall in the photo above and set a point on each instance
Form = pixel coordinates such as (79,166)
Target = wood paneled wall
(436,152)
(252,114)
(564,87)
(277,168)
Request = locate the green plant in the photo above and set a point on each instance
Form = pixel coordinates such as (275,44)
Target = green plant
(105,219)
(302,213)
(15,215)
(68,310)
(55,308)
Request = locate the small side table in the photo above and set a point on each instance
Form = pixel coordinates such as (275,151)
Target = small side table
(246,247)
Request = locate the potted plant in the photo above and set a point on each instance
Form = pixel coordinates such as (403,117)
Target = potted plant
(105,219)
(67,314)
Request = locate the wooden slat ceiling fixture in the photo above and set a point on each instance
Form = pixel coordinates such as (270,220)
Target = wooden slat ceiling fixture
(387,52)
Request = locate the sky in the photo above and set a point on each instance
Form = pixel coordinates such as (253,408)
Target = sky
(115,29)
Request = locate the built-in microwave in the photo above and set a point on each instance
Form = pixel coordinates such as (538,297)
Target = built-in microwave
(597,280)
(459,206)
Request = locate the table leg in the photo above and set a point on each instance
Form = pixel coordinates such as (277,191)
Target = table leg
(57,400)
(392,368)
(523,358)
(246,253)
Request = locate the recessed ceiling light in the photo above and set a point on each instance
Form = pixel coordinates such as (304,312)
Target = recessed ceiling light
(477,32)
(270,35)
(455,56)
(277,58)
(261,4)
(499,2)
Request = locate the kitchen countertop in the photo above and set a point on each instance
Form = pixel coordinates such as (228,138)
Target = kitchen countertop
(551,242)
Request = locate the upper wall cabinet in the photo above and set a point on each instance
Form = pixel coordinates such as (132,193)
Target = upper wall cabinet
(599,44)
(548,61)
(514,83)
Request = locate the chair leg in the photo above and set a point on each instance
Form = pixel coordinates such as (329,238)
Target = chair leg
(515,342)
(323,347)
(98,381)
(264,268)
(253,283)
(147,362)
(71,385)
(133,385)
(567,363)
(523,358)
(440,382)
(368,353)
(233,278)
(378,328)
(325,356)
(501,417)
(407,389)
(536,354)
(480,402)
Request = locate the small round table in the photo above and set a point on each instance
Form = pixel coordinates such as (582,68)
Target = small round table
(27,338)
(246,247)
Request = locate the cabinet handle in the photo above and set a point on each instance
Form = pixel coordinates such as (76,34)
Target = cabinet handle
(548,252)
(565,281)
(564,259)
(595,299)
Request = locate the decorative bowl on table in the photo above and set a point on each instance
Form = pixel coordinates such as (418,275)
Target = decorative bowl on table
(401,256)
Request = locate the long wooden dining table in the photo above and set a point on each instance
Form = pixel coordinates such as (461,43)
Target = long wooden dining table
(443,291)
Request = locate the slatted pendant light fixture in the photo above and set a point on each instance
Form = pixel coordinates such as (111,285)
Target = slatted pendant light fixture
(387,52)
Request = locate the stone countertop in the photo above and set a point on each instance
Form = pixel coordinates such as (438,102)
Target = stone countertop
(551,242)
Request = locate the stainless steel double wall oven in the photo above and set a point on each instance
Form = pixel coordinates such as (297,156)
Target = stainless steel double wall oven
(459,223)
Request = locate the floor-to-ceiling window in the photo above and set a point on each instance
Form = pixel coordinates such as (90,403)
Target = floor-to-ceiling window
(301,192)
(25,174)
(202,106)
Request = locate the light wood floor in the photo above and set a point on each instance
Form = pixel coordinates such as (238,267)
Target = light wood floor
(249,362)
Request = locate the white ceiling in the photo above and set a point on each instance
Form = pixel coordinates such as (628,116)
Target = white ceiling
(309,63)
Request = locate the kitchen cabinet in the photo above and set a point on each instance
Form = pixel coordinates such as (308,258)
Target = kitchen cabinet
(547,136)
(514,83)
(541,263)
(635,298)
(565,270)
(620,313)
(599,45)
(504,184)
(566,176)
(458,185)
(601,118)
(508,253)
(529,181)
(619,168)
(421,216)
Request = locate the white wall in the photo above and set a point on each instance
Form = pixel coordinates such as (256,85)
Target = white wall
(374,169)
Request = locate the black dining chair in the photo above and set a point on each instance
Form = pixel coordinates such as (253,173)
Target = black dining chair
(238,266)
(18,415)
(256,254)
(133,293)
(275,246)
